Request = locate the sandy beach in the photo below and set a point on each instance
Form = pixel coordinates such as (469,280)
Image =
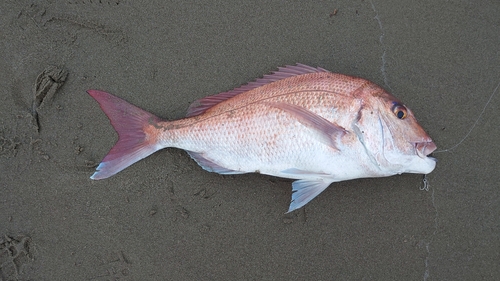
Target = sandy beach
(165,218)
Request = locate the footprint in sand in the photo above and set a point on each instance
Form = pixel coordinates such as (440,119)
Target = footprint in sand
(14,252)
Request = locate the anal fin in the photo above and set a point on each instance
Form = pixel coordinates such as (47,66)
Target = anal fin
(210,166)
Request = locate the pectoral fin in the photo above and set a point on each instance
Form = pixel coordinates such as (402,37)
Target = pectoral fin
(304,191)
(328,132)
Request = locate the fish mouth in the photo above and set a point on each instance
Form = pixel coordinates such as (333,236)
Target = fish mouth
(423,149)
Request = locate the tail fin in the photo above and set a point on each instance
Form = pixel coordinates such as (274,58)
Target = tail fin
(134,142)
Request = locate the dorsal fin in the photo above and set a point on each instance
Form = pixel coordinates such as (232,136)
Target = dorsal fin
(200,106)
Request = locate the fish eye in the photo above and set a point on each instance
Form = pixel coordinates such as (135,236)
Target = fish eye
(399,110)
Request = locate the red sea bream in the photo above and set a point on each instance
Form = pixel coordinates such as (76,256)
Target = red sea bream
(301,123)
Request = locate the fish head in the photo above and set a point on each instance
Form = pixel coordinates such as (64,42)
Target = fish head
(392,136)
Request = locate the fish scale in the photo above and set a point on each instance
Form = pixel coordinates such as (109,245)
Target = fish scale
(243,136)
(300,122)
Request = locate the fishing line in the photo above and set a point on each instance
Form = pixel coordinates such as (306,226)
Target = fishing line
(425,181)
(473,126)
(384,48)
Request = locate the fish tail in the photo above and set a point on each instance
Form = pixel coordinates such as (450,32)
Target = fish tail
(137,137)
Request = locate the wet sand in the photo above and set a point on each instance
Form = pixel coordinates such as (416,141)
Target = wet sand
(165,218)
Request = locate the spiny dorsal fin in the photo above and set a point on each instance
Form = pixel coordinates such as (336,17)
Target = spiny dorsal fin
(200,106)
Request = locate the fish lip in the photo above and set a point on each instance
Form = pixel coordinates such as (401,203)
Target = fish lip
(424,148)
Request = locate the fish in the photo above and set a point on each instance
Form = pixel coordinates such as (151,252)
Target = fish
(300,122)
